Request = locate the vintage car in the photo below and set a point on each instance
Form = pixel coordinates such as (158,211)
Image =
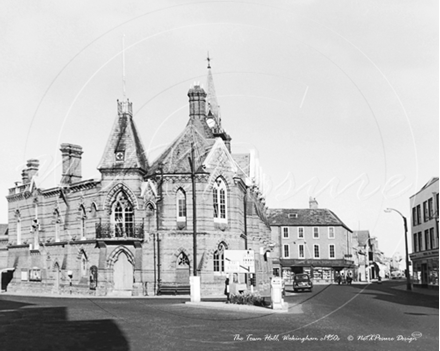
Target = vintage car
(302,282)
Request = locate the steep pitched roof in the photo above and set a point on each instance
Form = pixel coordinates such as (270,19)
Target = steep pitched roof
(304,217)
(124,138)
(175,157)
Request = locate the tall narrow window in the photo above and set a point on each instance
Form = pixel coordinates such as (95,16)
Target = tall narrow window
(57,221)
(286,251)
(219,258)
(123,216)
(181,205)
(425,211)
(432,238)
(300,233)
(18,218)
(82,214)
(301,251)
(430,208)
(219,195)
(331,251)
(427,241)
(285,232)
(316,251)
(415,247)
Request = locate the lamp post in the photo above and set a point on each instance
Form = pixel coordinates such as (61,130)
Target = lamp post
(408,279)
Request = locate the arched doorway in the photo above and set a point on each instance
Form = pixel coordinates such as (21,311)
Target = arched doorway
(56,281)
(182,269)
(123,274)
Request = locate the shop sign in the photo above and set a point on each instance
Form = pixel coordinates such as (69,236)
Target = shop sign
(424,254)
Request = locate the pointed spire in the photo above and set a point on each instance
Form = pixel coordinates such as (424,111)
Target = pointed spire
(211,97)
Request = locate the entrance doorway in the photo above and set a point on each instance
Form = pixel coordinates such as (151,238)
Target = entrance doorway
(182,269)
(123,275)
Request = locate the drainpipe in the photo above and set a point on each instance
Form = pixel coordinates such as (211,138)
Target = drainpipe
(159,200)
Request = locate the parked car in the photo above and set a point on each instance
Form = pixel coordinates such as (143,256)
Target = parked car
(302,282)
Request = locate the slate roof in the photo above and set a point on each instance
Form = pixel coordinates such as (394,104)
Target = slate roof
(304,217)
(175,157)
(3,229)
(124,137)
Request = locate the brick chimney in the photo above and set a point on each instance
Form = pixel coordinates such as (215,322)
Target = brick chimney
(71,155)
(32,169)
(313,204)
(197,102)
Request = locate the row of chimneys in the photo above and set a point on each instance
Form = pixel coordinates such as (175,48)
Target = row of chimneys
(71,171)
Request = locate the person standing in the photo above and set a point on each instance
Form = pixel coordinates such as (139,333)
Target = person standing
(227,289)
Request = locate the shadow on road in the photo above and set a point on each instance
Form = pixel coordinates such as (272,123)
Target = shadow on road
(385,292)
(35,328)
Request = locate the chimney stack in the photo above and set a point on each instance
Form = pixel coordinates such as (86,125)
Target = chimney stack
(313,204)
(32,169)
(197,102)
(71,155)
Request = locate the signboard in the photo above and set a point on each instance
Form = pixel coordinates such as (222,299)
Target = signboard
(239,261)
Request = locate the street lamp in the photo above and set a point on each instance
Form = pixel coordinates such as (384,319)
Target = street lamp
(408,279)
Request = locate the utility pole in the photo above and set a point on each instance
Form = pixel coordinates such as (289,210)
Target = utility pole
(193,181)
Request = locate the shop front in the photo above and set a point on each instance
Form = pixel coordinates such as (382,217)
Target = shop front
(425,268)
(321,271)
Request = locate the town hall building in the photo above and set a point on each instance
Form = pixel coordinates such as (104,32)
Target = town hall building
(131,232)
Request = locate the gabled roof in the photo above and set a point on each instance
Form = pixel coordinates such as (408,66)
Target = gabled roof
(124,138)
(304,217)
(175,157)
(3,229)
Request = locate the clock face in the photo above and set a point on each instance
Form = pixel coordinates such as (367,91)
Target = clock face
(119,156)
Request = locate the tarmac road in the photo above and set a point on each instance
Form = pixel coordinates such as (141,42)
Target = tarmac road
(356,317)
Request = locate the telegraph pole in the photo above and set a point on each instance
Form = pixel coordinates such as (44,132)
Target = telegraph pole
(193,181)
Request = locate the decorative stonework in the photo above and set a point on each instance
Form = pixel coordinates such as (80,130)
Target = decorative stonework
(113,257)
(111,196)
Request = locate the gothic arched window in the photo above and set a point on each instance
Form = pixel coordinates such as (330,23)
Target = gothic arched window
(123,216)
(57,221)
(82,217)
(219,258)
(181,205)
(18,226)
(182,260)
(219,196)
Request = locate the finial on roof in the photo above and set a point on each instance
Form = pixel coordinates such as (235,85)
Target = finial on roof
(209,61)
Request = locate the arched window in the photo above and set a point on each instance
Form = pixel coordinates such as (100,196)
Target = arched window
(123,216)
(93,210)
(149,217)
(83,263)
(219,195)
(181,205)
(219,258)
(18,226)
(82,217)
(57,221)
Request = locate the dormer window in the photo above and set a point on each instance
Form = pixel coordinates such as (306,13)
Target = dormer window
(292,215)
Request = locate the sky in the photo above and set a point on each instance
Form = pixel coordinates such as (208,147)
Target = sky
(339,99)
